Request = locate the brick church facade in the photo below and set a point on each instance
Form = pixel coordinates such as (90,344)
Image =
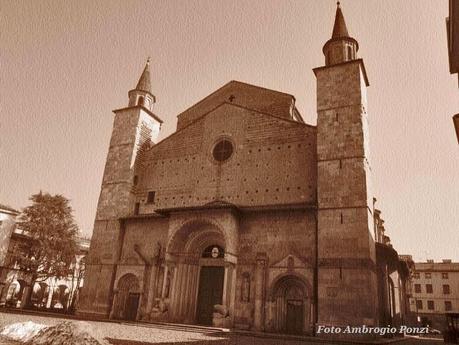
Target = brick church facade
(246,216)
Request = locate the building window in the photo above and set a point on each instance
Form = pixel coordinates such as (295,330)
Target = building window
(136,208)
(416,275)
(417,288)
(429,288)
(428,275)
(444,275)
(151,197)
(141,101)
(136,180)
(448,306)
(418,304)
(446,290)
(223,150)
(430,305)
(349,52)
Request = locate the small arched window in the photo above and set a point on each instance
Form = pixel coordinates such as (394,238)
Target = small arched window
(349,53)
(141,101)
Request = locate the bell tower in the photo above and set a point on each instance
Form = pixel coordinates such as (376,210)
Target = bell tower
(347,286)
(134,127)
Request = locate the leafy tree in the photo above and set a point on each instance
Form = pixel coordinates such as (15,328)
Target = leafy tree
(50,232)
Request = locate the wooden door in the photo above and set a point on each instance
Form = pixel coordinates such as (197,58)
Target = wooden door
(210,293)
(132,305)
(295,316)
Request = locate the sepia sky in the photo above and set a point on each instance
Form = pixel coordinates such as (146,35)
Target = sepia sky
(65,65)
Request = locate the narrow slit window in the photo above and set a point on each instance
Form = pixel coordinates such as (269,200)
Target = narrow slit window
(349,53)
(151,197)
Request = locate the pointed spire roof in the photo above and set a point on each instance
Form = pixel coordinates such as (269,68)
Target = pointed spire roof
(339,29)
(144,83)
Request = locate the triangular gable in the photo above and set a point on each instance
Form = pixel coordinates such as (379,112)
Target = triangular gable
(253,97)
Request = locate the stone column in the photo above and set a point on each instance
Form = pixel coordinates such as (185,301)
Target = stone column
(176,291)
(25,292)
(259,287)
(4,294)
(225,286)
(163,289)
(50,295)
(114,308)
(151,290)
(183,290)
(192,290)
(386,296)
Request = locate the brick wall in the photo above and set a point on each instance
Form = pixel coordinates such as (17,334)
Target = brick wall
(273,162)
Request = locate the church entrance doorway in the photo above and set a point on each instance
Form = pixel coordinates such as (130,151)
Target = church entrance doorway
(127,298)
(210,292)
(290,305)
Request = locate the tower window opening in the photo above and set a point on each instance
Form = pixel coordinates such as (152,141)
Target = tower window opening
(141,101)
(349,53)
(151,197)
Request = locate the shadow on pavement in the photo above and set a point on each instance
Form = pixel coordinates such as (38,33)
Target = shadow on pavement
(222,341)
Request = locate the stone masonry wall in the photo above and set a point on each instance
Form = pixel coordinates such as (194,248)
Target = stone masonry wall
(347,277)
(115,201)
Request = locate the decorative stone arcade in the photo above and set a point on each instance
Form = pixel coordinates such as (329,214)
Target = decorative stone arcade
(201,270)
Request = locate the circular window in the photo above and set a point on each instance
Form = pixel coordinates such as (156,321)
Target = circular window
(223,150)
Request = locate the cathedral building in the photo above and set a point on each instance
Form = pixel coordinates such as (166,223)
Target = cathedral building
(246,217)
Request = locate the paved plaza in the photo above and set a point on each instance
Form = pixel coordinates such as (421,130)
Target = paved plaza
(130,334)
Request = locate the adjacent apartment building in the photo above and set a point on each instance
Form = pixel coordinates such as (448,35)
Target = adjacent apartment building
(435,290)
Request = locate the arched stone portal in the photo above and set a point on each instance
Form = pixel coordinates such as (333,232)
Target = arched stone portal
(290,305)
(203,274)
(127,298)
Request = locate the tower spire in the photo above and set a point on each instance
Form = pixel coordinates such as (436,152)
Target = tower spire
(341,47)
(144,83)
(142,94)
(339,29)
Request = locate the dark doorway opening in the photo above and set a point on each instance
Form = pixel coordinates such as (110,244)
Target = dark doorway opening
(132,305)
(295,316)
(210,292)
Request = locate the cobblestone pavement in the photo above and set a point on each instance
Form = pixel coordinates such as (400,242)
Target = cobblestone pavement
(128,334)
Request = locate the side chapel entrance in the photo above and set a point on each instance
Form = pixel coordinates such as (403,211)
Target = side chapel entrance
(127,298)
(291,305)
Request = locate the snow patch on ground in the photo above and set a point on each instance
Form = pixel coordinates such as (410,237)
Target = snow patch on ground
(67,332)
(22,331)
